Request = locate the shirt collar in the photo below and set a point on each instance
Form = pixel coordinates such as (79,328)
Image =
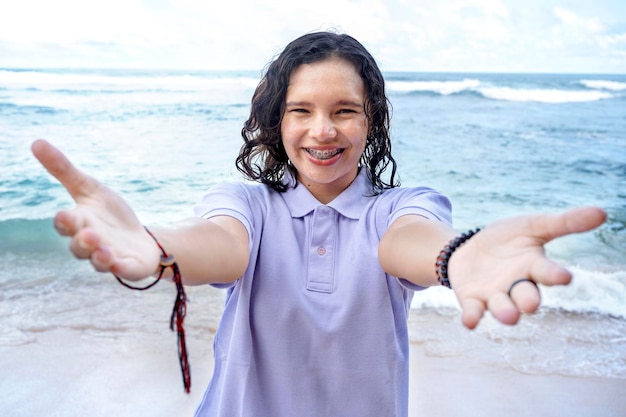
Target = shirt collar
(349,203)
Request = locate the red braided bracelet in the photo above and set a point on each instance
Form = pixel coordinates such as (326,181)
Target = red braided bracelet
(441,266)
(178,312)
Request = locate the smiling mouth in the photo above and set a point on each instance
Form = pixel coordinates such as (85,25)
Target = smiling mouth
(323,154)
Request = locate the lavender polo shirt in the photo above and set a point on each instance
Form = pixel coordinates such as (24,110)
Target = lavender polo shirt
(314,327)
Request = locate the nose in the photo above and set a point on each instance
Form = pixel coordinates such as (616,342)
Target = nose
(323,128)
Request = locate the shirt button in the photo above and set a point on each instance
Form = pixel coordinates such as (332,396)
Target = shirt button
(321,251)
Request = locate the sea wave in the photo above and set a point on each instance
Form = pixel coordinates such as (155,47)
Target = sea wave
(591,292)
(439,87)
(554,96)
(604,85)
(111,82)
(506,93)
(34,236)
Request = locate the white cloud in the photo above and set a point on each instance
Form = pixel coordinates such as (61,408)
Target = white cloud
(70,20)
(571,20)
(455,35)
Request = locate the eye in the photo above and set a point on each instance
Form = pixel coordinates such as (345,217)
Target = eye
(344,111)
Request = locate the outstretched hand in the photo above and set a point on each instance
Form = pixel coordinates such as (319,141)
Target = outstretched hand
(102,226)
(483,269)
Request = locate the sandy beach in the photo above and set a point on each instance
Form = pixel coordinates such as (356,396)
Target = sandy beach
(104,371)
(456,386)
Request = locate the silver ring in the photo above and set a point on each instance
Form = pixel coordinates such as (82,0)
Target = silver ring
(518,281)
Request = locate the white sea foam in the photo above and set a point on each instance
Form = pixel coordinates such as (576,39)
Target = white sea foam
(436,297)
(111,93)
(604,85)
(543,95)
(439,87)
(589,292)
(123,81)
(507,93)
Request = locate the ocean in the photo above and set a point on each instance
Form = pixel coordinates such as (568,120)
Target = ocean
(496,144)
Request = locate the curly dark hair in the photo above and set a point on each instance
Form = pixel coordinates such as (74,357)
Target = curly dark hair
(263,158)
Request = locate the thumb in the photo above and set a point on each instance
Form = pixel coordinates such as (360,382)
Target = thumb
(56,163)
(550,226)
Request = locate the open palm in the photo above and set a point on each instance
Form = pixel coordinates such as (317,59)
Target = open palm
(102,226)
(483,270)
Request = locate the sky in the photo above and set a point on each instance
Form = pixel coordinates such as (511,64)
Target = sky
(553,36)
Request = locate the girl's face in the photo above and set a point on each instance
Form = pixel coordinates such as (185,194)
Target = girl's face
(324,128)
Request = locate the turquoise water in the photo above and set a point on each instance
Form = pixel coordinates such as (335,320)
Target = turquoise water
(497,144)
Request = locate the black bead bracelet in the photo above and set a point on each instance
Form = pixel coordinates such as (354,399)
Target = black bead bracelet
(441,266)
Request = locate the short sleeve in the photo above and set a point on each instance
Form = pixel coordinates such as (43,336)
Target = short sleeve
(425,202)
(228,199)
(421,201)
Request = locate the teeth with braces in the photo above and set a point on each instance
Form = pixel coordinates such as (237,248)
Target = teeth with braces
(325,154)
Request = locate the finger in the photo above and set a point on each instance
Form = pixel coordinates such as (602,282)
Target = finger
(473,310)
(548,272)
(526,297)
(550,226)
(87,244)
(102,259)
(56,163)
(503,309)
(68,222)
(84,243)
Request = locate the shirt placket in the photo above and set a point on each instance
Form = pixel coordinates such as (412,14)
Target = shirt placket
(320,272)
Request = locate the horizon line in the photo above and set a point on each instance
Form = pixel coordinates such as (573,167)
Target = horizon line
(261,71)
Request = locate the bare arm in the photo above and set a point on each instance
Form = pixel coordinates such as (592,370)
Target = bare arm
(207,251)
(482,270)
(410,247)
(104,229)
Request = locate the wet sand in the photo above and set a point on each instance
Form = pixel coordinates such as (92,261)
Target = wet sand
(67,372)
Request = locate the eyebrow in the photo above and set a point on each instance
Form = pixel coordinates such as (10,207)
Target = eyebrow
(348,103)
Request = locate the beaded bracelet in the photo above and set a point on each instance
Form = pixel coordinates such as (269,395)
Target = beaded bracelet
(178,312)
(441,266)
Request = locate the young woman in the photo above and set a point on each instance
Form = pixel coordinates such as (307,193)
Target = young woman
(320,260)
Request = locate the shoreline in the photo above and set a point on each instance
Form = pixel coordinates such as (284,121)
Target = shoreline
(70,372)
